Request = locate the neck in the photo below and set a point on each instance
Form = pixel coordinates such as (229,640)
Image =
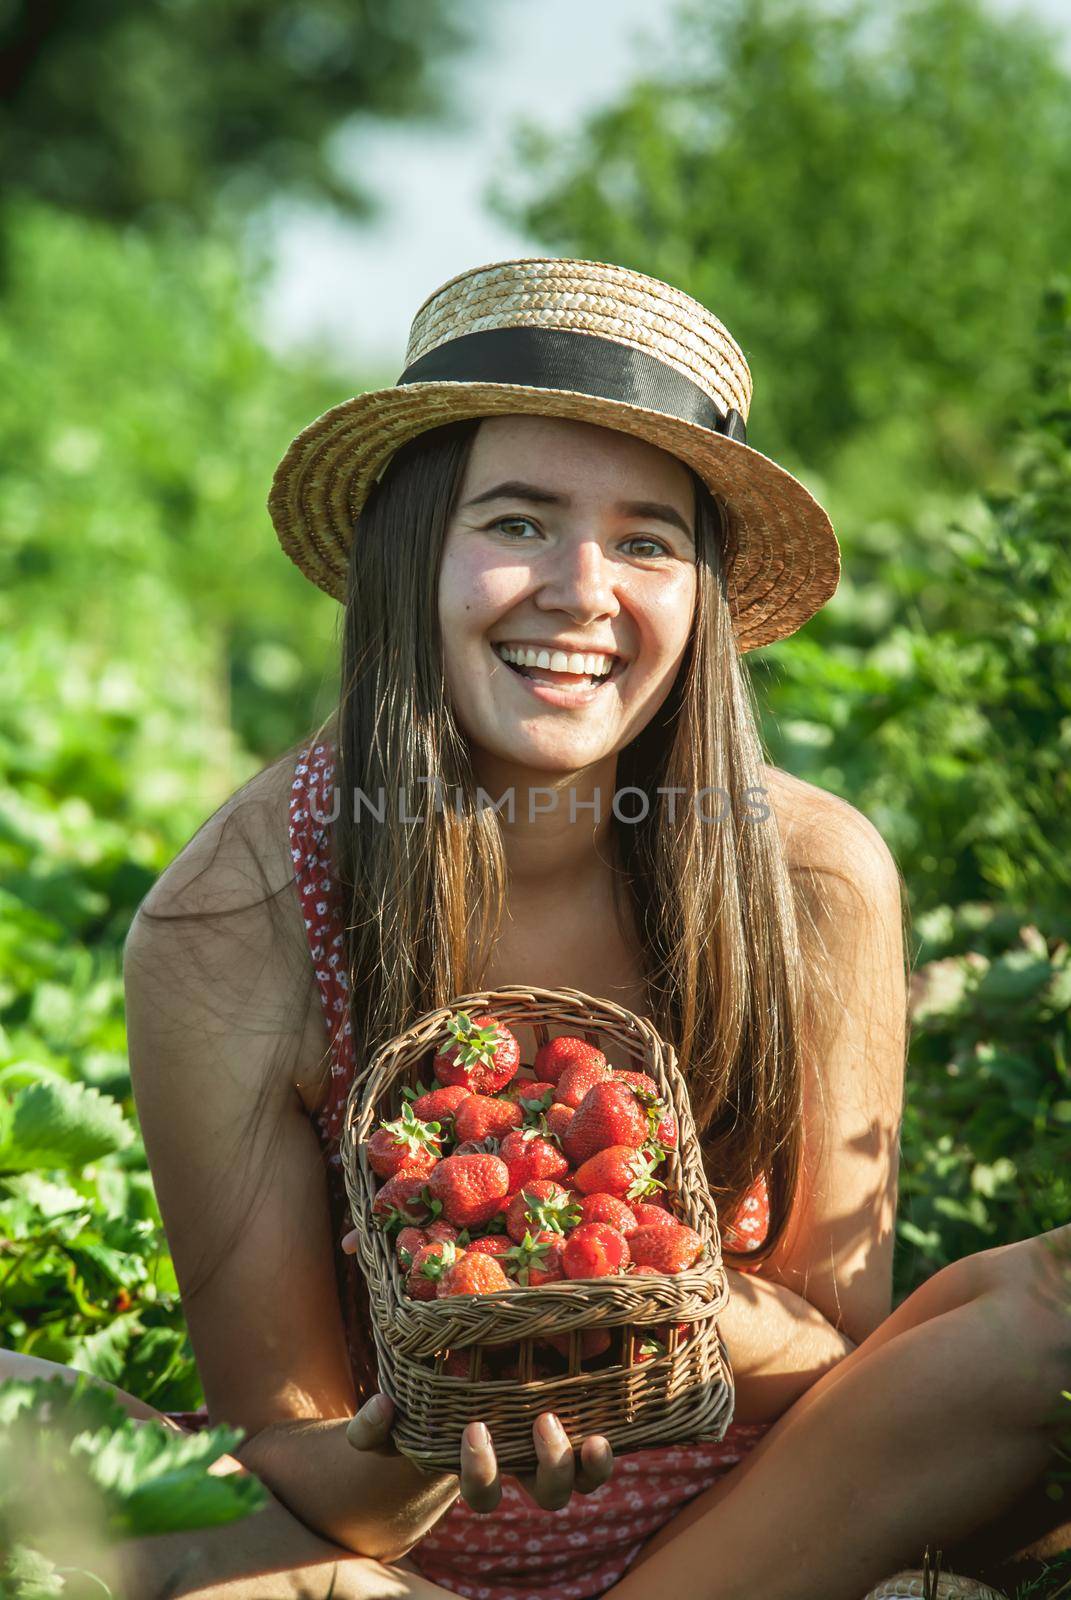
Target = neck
(559,836)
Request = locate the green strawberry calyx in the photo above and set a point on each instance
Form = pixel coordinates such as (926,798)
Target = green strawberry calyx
(557,1213)
(643,1167)
(410,1131)
(533,1108)
(529,1253)
(434,1266)
(475,1046)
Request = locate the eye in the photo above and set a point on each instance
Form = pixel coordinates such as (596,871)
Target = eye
(658,545)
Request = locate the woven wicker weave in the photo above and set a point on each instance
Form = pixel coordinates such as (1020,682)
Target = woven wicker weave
(685,1395)
(913,1586)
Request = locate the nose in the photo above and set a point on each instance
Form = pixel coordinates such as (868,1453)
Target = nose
(580,582)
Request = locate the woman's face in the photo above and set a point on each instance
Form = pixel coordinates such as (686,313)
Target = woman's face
(571,537)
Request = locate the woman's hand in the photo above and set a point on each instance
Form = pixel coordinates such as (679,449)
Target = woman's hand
(552,1485)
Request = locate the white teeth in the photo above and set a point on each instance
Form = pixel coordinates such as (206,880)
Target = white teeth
(595,666)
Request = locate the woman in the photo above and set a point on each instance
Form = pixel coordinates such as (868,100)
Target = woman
(563,467)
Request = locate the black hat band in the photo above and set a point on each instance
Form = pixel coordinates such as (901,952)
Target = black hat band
(583,363)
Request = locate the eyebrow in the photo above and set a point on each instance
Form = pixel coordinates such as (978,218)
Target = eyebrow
(515,490)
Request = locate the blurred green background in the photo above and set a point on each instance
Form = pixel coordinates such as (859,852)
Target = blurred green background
(874,200)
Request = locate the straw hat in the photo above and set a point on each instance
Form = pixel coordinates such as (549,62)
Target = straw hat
(922,1584)
(582,340)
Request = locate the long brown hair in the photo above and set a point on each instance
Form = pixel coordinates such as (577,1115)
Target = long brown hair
(713,905)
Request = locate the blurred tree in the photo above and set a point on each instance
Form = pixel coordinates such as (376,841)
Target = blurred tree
(871,198)
(124,108)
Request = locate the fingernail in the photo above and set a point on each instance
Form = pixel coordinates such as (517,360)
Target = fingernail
(550,1429)
(376,1409)
(481,1437)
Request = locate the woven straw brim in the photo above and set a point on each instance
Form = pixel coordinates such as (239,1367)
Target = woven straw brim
(911,1586)
(782,555)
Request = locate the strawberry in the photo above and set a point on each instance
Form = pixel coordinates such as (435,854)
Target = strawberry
(543,1205)
(535,1259)
(557,1118)
(532,1097)
(553,1057)
(618,1170)
(608,1208)
(490,1244)
(672,1249)
(429,1264)
(663,1122)
(529,1154)
(407,1243)
(484,1055)
(578,1077)
(593,1341)
(438,1105)
(608,1114)
(482,1116)
(439,1229)
(594,1250)
(470,1189)
(404,1201)
(651,1214)
(473,1273)
(407,1141)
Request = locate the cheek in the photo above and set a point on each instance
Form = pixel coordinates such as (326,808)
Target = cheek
(473,593)
(665,612)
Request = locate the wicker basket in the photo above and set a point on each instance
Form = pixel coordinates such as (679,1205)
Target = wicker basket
(683,1396)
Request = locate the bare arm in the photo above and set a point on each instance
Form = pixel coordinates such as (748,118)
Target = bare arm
(779,1345)
(220,1033)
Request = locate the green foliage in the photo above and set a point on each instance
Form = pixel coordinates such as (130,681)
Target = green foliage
(846,188)
(72,1445)
(130,111)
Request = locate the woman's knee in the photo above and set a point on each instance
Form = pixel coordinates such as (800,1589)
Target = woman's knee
(1025,1299)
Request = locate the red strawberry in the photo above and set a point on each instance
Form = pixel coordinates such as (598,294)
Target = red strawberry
(672,1249)
(619,1170)
(542,1205)
(403,1201)
(535,1259)
(578,1077)
(652,1214)
(644,1271)
(593,1341)
(440,1230)
(529,1155)
(553,1057)
(439,1105)
(663,1124)
(473,1274)
(407,1141)
(482,1116)
(490,1244)
(608,1114)
(532,1097)
(469,1188)
(557,1118)
(429,1264)
(608,1208)
(407,1243)
(594,1250)
(484,1054)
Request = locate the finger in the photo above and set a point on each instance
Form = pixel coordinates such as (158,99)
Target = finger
(349,1242)
(596,1464)
(481,1486)
(556,1468)
(371,1427)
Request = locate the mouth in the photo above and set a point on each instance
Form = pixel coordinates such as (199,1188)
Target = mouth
(576,682)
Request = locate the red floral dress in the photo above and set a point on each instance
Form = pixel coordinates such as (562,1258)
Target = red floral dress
(519,1551)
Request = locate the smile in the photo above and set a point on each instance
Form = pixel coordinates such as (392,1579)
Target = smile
(558,687)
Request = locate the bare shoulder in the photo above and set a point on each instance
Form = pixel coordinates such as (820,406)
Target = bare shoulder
(243,842)
(219,940)
(826,838)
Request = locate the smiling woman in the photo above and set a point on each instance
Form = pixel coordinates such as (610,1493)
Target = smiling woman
(561,480)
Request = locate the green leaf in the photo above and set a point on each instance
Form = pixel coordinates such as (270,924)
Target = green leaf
(156,1481)
(28,1575)
(101,1353)
(64,1125)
